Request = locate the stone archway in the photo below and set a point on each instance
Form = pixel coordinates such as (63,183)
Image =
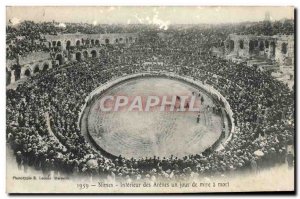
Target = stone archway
(231,45)
(78,56)
(255,43)
(221,44)
(45,67)
(241,44)
(27,72)
(272,48)
(59,57)
(284,48)
(8,77)
(251,46)
(94,53)
(78,43)
(267,44)
(106,41)
(17,72)
(87,42)
(85,54)
(261,46)
(97,42)
(36,69)
(58,43)
(68,45)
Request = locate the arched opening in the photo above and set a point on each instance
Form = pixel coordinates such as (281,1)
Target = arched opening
(8,77)
(221,43)
(85,55)
(53,43)
(126,40)
(87,42)
(27,72)
(267,44)
(17,72)
(78,56)
(241,44)
(97,42)
(45,67)
(68,45)
(94,54)
(284,48)
(261,46)
(255,43)
(117,41)
(130,39)
(106,41)
(59,57)
(231,45)
(78,43)
(49,44)
(120,39)
(272,48)
(36,69)
(93,42)
(58,43)
(251,46)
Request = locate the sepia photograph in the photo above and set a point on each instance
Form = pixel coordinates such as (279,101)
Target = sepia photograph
(150,99)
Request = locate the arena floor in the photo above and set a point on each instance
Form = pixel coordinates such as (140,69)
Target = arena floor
(155,133)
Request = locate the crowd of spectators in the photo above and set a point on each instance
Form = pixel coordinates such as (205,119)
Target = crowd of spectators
(43,112)
(28,36)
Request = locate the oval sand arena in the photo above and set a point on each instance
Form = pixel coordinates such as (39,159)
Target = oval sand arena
(140,134)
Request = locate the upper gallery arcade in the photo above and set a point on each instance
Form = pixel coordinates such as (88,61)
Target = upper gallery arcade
(279,48)
(62,48)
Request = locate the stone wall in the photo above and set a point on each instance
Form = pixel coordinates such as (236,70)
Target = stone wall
(35,62)
(283,57)
(33,57)
(265,47)
(65,40)
(10,63)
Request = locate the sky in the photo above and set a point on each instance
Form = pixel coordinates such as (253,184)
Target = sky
(146,15)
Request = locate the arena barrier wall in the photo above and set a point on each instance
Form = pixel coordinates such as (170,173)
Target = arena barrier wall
(207,88)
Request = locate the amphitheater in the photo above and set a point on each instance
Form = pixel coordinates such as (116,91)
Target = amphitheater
(53,109)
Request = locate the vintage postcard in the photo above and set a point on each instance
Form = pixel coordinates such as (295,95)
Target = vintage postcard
(150,99)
